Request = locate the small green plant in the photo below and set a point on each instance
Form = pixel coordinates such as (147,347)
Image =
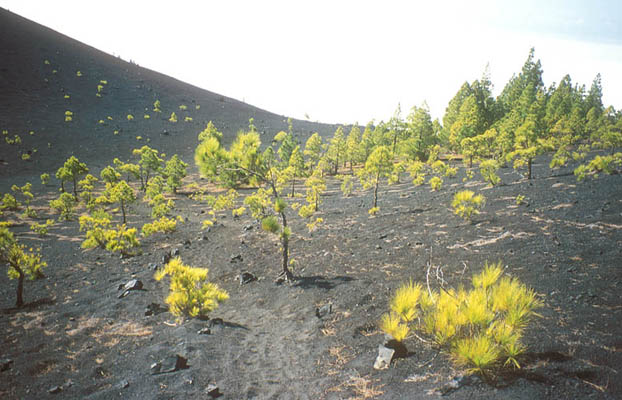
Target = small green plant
(65,204)
(42,229)
(238,212)
(26,157)
(183,107)
(465,203)
(156,106)
(146,116)
(373,211)
(78,73)
(520,199)
(435,183)
(488,169)
(21,263)
(99,233)
(9,202)
(68,116)
(173,117)
(347,185)
(188,119)
(164,225)
(190,295)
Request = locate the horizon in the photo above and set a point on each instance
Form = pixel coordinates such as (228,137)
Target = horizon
(357,62)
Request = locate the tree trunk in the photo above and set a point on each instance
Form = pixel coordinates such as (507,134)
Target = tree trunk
(376,190)
(75,189)
(20,288)
(293,183)
(123,209)
(285,243)
(529,168)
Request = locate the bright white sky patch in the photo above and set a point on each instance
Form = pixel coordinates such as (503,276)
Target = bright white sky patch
(347,61)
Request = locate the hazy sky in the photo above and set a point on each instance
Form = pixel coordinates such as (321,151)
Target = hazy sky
(347,61)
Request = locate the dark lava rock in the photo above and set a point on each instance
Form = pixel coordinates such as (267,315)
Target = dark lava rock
(55,390)
(204,331)
(213,391)
(236,258)
(246,277)
(5,364)
(175,252)
(166,257)
(169,364)
(326,309)
(133,284)
(153,266)
(124,384)
(155,309)
(187,243)
(247,228)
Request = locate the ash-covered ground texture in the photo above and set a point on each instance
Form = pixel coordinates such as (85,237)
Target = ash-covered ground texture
(77,337)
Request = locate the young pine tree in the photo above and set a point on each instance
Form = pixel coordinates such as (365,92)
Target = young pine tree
(21,263)
(379,165)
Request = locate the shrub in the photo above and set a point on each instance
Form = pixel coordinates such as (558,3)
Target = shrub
(42,229)
(160,206)
(520,199)
(347,185)
(9,202)
(238,212)
(100,234)
(488,169)
(466,203)
(164,225)
(65,204)
(21,263)
(191,295)
(479,328)
(435,183)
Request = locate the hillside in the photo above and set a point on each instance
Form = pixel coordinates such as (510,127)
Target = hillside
(39,68)
(80,335)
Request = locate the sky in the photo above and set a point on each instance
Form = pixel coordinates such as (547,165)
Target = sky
(348,61)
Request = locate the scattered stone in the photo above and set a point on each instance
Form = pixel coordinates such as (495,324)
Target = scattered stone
(456,383)
(133,284)
(187,243)
(385,355)
(169,364)
(175,252)
(124,384)
(213,391)
(247,228)
(166,258)
(154,309)
(5,364)
(323,311)
(236,258)
(203,237)
(67,384)
(383,236)
(378,247)
(165,132)
(216,322)
(205,331)
(246,277)
(55,390)
(153,266)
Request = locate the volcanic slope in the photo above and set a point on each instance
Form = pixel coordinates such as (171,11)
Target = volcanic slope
(44,74)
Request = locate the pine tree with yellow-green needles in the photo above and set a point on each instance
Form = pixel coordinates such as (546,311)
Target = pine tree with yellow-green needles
(480,328)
